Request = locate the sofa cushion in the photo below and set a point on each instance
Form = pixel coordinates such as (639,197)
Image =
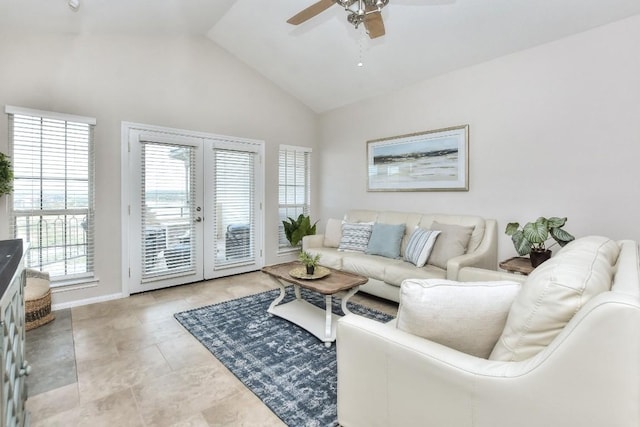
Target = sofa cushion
(420,246)
(395,273)
(355,236)
(385,240)
(553,293)
(372,266)
(329,257)
(362,215)
(333,233)
(468,317)
(452,242)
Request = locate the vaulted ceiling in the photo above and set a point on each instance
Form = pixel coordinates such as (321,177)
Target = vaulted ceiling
(316,61)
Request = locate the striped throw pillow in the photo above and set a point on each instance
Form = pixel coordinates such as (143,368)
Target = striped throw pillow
(420,245)
(355,236)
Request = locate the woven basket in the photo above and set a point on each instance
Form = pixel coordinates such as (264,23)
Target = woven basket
(37,305)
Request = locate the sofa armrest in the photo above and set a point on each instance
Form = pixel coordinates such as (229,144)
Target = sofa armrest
(473,274)
(389,377)
(312,241)
(485,256)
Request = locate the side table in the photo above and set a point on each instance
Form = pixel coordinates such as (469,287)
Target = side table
(517,264)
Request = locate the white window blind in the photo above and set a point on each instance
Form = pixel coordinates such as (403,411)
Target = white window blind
(294,186)
(53,200)
(168,209)
(234,215)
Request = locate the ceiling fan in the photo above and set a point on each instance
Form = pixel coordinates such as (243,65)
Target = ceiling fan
(367,12)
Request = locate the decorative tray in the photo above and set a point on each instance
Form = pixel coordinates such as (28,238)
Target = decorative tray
(301,273)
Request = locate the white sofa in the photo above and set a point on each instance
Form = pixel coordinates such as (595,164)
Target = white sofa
(386,274)
(585,372)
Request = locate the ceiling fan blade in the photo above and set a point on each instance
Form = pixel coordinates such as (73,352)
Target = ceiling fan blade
(373,23)
(311,11)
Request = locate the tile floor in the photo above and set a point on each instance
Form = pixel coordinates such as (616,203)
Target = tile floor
(136,366)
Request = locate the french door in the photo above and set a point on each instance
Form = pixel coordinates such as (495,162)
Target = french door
(195,210)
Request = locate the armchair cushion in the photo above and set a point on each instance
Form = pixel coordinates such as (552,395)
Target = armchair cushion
(466,316)
(553,293)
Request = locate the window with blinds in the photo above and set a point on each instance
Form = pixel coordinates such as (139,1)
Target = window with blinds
(53,200)
(294,187)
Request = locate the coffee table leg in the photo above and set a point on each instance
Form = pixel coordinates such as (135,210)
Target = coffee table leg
(296,289)
(348,295)
(328,319)
(283,292)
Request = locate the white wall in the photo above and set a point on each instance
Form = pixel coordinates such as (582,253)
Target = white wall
(554,131)
(187,83)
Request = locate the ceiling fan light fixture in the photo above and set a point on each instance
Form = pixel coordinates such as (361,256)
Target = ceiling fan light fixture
(367,12)
(354,19)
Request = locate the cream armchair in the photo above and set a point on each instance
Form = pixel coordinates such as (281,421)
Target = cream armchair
(588,376)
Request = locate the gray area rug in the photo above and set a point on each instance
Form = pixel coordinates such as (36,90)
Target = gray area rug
(51,354)
(289,369)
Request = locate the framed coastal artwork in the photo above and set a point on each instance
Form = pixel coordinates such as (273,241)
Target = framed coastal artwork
(436,160)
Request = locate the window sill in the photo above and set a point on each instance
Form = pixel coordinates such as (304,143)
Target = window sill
(289,251)
(74,284)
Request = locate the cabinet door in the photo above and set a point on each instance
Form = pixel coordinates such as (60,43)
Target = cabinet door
(13,391)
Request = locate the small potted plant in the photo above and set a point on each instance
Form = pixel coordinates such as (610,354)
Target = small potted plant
(530,239)
(309,261)
(296,229)
(6,175)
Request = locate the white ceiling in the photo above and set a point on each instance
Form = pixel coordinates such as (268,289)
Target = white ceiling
(317,61)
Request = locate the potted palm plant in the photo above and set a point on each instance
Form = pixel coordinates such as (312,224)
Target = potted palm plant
(6,175)
(309,261)
(296,229)
(531,238)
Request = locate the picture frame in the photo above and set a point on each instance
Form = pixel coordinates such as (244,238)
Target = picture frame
(435,160)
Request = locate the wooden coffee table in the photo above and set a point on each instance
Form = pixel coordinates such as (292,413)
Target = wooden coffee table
(321,323)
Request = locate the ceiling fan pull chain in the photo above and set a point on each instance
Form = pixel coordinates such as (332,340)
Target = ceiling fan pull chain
(362,40)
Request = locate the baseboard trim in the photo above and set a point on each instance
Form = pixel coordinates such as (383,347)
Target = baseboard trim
(87,301)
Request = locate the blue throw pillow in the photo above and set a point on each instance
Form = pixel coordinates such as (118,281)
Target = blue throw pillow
(419,246)
(386,240)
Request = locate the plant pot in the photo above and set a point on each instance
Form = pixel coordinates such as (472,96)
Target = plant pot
(538,257)
(311,269)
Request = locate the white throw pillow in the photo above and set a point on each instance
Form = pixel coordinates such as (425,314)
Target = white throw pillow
(553,293)
(466,316)
(355,236)
(420,245)
(332,233)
